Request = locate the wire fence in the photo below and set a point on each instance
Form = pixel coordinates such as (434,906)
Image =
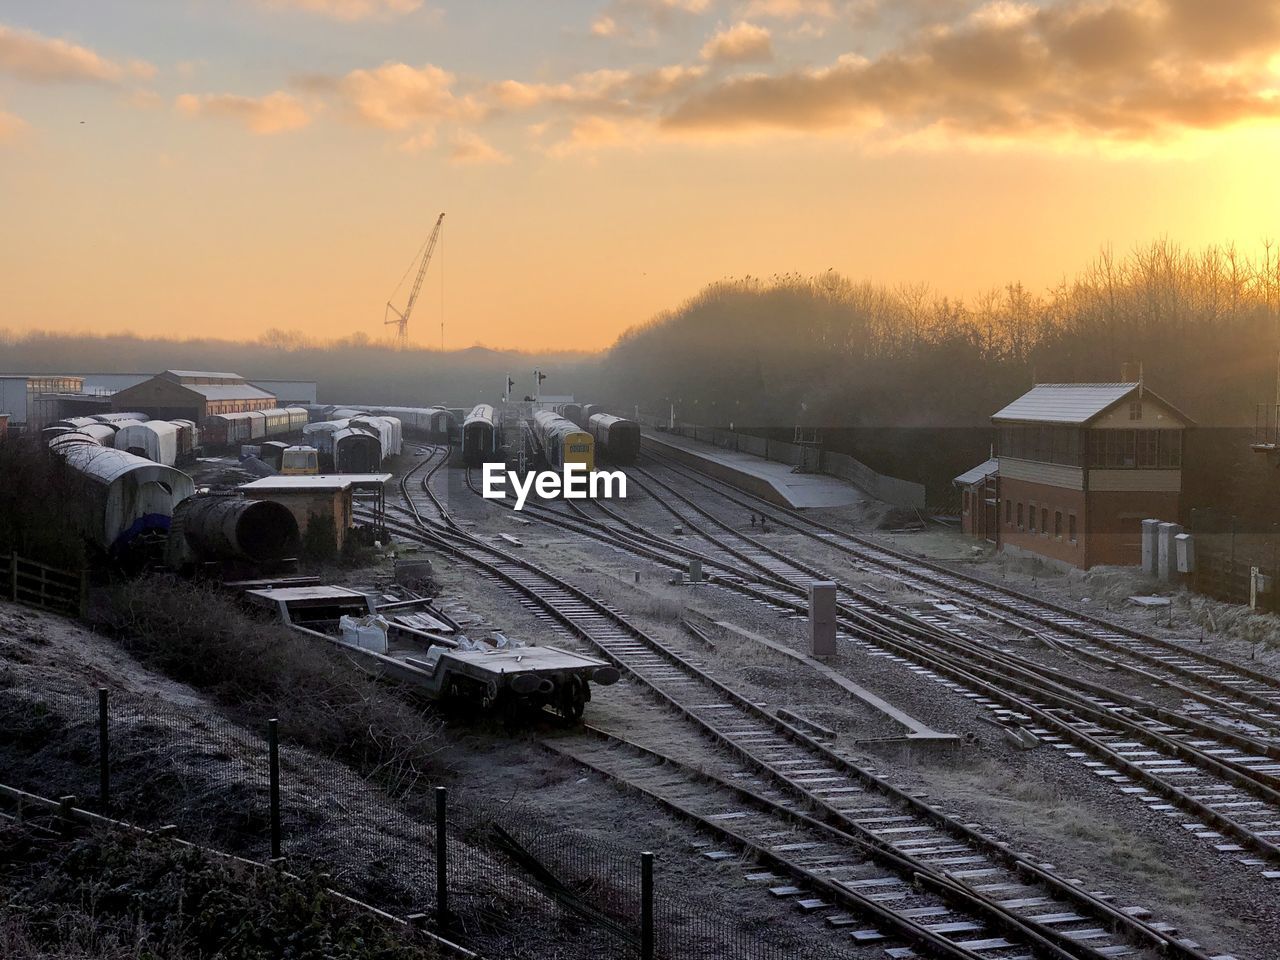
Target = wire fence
(504,882)
(1236,561)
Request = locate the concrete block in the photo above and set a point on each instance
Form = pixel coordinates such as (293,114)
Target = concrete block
(822,619)
(1185,547)
(1149,548)
(1166,552)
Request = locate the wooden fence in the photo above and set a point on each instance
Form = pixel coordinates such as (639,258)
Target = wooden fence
(40,585)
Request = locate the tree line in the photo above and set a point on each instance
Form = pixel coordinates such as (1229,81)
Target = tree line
(828,351)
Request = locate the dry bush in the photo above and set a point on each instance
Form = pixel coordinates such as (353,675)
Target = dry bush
(259,669)
(35,492)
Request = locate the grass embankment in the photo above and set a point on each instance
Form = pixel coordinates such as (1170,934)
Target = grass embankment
(257,668)
(116,897)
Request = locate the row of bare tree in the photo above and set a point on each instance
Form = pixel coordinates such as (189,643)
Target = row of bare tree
(833,352)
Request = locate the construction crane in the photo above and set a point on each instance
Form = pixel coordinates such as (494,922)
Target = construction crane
(401,319)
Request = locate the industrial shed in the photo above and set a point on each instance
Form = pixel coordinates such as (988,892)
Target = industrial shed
(325,498)
(1081,465)
(35,400)
(192,395)
(289,392)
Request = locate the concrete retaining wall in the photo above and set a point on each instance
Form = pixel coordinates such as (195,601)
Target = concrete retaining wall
(721,471)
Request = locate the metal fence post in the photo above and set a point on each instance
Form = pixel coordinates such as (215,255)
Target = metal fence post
(273,752)
(104,752)
(442,854)
(646,906)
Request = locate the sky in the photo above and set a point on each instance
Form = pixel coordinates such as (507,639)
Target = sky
(220,167)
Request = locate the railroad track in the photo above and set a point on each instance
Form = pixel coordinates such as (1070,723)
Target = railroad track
(1247,696)
(1002,890)
(1163,759)
(1237,804)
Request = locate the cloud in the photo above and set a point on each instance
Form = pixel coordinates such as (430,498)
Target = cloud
(594,132)
(419,142)
(471,148)
(742,43)
(604,26)
(1084,68)
(396,96)
(789,9)
(659,7)
(12,126)
(349,10)
(621,18)
(600,90)
(275,113)
(39,59)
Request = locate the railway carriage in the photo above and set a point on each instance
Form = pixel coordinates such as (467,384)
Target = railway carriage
(188,440)
(346,446)
(128,500)
(571,412)
(562,441)
(617,439)
(155,440)
(479,436)
(225,429)
(230,429)
(112,418)
(387,429)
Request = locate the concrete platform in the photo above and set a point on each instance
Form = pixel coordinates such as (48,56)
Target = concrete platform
(765,478)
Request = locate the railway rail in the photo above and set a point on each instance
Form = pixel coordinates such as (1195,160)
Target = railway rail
(1003,890)
(1247,694)
(1236,802)
(1160,756)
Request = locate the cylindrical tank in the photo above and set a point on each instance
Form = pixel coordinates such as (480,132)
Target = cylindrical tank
(228,528)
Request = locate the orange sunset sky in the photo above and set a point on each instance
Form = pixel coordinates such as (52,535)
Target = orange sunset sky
(218,167)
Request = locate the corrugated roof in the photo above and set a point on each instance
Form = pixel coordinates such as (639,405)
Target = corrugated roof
(204,374)
(980,472)
(1073,403)
(228,391)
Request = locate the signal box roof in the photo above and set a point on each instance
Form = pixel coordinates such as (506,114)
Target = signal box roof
(1074,404)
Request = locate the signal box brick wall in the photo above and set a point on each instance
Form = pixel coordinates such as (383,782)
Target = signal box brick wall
(1081,466)
(1018,498)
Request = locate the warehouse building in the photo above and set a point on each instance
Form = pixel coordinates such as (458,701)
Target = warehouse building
(34,400)
(1079,467)
(290,393)
(192,395)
